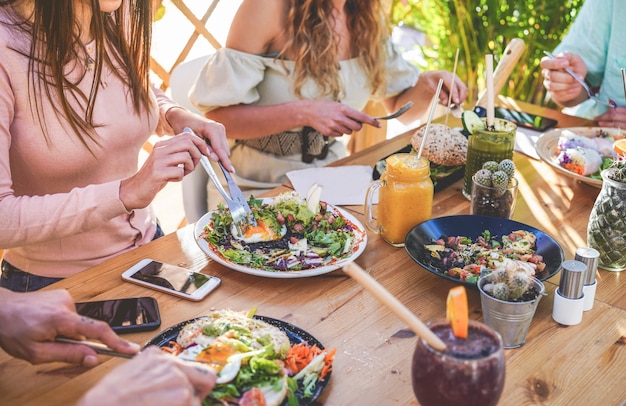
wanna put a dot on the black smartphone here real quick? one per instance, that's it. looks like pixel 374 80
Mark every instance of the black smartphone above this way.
pixel 129 315
pixel 526 120
pixel 171 279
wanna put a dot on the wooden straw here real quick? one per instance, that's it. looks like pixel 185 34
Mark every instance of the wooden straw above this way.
pixel 490 90
pixel 376 289
pixel 456 60
pixel 433 105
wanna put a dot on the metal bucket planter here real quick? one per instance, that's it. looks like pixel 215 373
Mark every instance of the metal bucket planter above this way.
pixel 510 319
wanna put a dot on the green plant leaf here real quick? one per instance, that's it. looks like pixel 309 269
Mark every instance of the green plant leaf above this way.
pixel 478 27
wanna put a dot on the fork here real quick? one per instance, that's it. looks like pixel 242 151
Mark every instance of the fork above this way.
pixel 237 204
pixel 611 103
pixel 396 113
pixel 241 216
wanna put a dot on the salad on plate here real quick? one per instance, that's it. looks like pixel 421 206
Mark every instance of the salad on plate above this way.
pixel 255 360
pixel 292 234
pixel 464 258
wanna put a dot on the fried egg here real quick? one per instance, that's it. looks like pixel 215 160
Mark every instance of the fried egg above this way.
pixel 259 233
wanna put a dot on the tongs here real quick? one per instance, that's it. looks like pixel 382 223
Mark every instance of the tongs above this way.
pixel 236 201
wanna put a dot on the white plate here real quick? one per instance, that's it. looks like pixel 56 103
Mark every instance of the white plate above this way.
pixel 546 147
pixel 360 241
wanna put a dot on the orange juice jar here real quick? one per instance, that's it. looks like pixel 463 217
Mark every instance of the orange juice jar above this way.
pixel 405 198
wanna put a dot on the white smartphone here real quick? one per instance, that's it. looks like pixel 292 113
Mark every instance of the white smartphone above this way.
pixel 171 279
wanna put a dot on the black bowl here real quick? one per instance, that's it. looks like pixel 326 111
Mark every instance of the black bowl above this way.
pixel 295 334
pixel 472 226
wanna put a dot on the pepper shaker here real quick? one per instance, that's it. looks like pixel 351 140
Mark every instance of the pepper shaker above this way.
pixel 569 299
pixel 589 257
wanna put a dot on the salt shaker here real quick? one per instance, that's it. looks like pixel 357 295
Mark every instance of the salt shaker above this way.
pixel 569 299
pixel 589 257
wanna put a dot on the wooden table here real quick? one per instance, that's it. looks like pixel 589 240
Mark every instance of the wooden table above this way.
pixel 576 365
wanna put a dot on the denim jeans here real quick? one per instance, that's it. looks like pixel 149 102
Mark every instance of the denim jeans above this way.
pixel 19 281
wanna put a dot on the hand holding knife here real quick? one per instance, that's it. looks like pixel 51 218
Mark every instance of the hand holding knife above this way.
pixel 97 347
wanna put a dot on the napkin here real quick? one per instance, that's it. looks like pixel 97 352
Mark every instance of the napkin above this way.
pixel 341 185
pixel 525 140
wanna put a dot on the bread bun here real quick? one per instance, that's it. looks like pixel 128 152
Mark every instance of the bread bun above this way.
pixel 444 145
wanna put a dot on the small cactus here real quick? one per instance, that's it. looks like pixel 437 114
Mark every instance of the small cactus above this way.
pixel 507 166
pixel 500 291
pixel 499 179
pixel 501 174
pixel 491 166
pixel 483 177
pixel 497 197
pixel 509 282
pixel 518 284
pixel 499 275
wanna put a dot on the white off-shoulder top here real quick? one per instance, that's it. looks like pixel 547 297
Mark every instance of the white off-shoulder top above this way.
pixel 233 77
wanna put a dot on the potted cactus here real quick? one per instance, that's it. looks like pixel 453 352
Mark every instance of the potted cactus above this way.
pixel 509 297
pixel 512 284
pixel 607 223
pixel 494 189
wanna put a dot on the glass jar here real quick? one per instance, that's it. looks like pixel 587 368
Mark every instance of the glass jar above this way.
pixel 606 230
pixel 488 145
pixel 405 198
pixel 493 201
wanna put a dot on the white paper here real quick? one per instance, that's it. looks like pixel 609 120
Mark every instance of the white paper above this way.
pixel 341 185
pixel 525 140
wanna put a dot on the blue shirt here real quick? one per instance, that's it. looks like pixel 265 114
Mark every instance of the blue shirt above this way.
pixel 598 36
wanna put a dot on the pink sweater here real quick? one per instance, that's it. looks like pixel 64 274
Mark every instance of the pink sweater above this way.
pixel 60 210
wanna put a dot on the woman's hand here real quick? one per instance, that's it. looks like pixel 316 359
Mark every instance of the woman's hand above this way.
pixel 422 93
pixel 153 378
pixel 213 132
pixel 335 119
pixel 565 90
pixel 31 321
pixel 613 117
pixel 429 80
pixel 169 161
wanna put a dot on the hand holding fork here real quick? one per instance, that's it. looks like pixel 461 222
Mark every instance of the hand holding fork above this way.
pixel 592 95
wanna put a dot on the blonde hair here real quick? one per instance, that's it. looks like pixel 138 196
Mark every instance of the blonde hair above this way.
pixel 312 42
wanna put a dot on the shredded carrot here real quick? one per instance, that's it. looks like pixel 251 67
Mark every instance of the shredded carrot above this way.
pixel 174 348
pixel 328 363
pixel 300 355
pixel 195 334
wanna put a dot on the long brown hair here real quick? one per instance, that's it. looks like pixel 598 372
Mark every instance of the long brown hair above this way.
pixel 125 33
pixel 311 40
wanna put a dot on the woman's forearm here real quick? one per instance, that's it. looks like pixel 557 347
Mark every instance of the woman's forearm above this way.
pixel 249 121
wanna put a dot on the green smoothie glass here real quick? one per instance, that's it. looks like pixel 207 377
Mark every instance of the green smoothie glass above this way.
pixel 487 144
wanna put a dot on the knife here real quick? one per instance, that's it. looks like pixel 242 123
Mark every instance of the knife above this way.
pixel 98 347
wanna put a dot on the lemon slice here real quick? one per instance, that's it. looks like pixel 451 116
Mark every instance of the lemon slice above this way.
pixel 457 311
pixel 471 122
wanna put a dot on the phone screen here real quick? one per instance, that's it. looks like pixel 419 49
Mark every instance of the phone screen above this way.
pixel 171 277
pixel 124 315
pixel 527 120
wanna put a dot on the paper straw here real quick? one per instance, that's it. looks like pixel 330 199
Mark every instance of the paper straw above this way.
pixel 433 105
pixel 624 80
pixel 490 90
pixel 456 60
pixel 371 285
